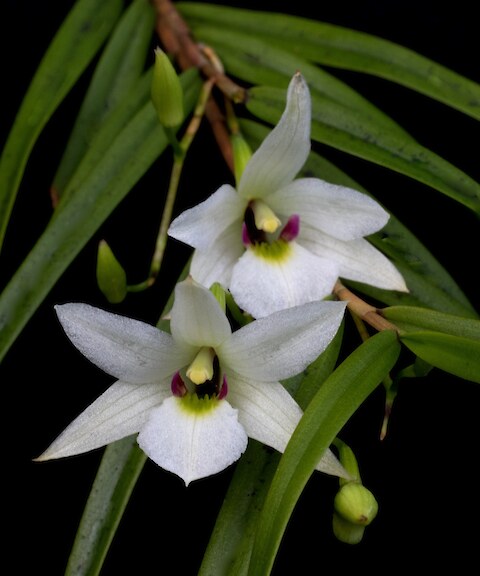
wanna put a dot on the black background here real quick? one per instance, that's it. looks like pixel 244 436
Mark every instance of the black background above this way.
pixel 423 473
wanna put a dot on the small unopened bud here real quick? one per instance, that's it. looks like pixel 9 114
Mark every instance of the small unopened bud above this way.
pixel 166 91
pixel 111 277
pixel 241 155
pixel 355 507
pixel 345 531
pixel 219 292
pixel 356 504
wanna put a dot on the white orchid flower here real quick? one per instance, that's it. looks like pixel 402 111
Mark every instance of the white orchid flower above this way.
pixel 195 396
pixel 280 242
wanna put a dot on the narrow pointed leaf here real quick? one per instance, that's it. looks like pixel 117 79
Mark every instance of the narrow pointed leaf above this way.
pixel 335 402
pixel 117 475
pixel 410 318
pixel 454 354
pixel 351 132
pixel 258 62
pixel 232 538
pixel 341 117
pixel 429 283
pixel 121 64
pixel 342 47
pixel 134 100
pixel 344 119
pixel 72 49
pixel 123 163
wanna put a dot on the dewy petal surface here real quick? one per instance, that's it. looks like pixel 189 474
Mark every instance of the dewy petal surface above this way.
pixel 262 286
pixel 119 412
pixel 201 225
pixel 125 348
pixel 196 316
pixel 283 343
pixel 357 260
pixel 270 415
pixel 284 151
pixel 336 210
pixel 193 444
pixel 215 264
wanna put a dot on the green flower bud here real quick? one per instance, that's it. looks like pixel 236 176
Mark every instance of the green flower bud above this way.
pixel 219 292
pixel 348 461
pixel 241 155
pixel 111 277
pixel 345 531
pixel 356 504
pixel 166 91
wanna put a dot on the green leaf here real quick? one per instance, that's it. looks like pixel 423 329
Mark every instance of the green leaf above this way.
pixel 352 132
pixel 412 319
pixel 231 540
pixel 111 276
pixel 429 283
pixel 233 536
pixel 133 102
pixel 77 41
pixel 123 163
pixel 258 62
pixel 342 47
pixel 335 402
pixel 120 66
pixel 117 475
pixel 341 117
pixel 454 354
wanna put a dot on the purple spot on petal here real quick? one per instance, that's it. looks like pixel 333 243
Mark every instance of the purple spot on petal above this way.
pixel 224 389
pixel 245 236
pixel 291 229
pixel 178 385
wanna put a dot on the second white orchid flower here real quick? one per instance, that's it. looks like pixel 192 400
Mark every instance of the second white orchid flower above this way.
pixel 280 242
pixel 195 395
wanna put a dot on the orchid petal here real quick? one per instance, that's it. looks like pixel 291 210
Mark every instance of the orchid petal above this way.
pixel 196 317
pixel 269 414
pixel 283 343
pixel 193 443
pixel 119 412
pixel 336 210
pixel 215 264
pixel 285 150
pixel 201 225
pixel 357 260
pixel 123 347
pixel 262 286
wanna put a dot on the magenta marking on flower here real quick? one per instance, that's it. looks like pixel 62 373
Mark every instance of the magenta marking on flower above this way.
pixel 178 385
pixel 291 229
pixel 245 236
pixel 224 389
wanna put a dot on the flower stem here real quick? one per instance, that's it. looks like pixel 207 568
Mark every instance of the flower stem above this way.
pixel 180 149
pixel 365 313
pixel 362 310
pixel 178 40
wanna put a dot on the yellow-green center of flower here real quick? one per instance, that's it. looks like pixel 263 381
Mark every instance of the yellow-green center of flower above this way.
pixel 192 404
pixel 265 217
pixel 201 369
pixel 277 251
